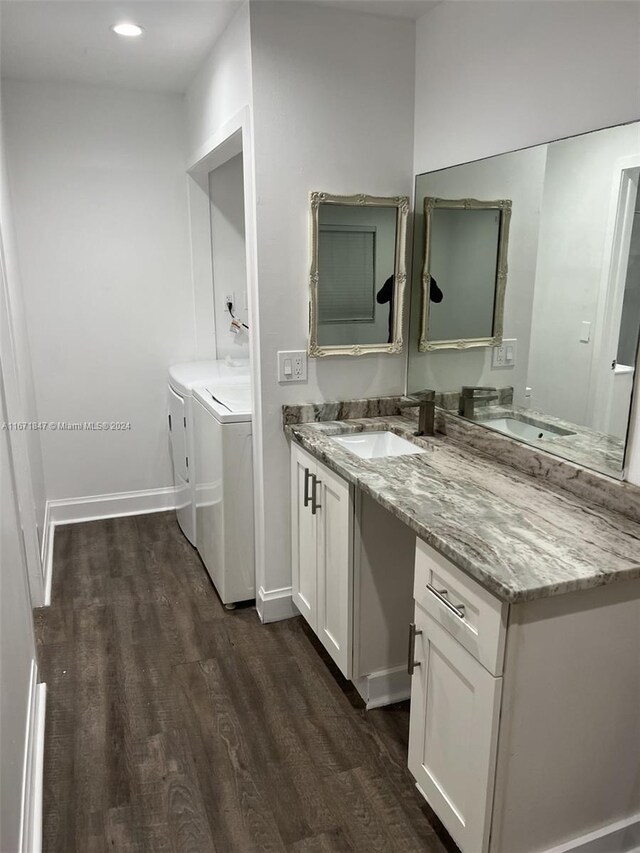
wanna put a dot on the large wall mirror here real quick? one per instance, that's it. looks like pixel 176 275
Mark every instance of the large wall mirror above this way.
pixel 464 272
pixel 358 274
pixel 564 371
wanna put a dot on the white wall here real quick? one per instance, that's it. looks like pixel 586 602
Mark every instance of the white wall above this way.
pixel 17 374
pixel 101 216
pixel 228 250
pixel 17 650
pixel 217 104
pixel 573 226
pixel 333 111
pixel 494 76
pixel 21 510
pixel 20 339
pixel 222 87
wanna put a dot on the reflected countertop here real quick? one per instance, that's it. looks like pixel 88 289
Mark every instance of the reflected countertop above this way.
pixel 519 536
pixel 579 444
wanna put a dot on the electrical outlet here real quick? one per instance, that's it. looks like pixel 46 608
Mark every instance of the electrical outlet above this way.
pixel 229 299
pixel 292 366
pixel 505 355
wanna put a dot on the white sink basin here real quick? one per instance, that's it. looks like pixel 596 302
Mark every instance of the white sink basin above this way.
pixel 521 429
pixel 375 445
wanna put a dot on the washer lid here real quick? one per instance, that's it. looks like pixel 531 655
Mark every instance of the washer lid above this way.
pixel 227 403
pixel 183 378
pixel 235 398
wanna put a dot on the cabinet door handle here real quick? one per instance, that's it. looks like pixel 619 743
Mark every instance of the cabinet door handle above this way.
pixel 315 506
pixel 412 663
pixel 440 594
pixel 307 496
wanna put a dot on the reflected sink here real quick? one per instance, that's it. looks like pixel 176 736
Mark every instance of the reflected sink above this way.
pixel 376 445
pixel 522 429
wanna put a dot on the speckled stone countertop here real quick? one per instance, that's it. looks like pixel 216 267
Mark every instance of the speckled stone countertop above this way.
pixel 517 535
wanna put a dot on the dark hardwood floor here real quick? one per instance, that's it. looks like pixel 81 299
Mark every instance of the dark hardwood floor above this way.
pixel 173 725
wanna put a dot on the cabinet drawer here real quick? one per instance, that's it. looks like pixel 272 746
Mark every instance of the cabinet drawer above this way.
pixel 465 609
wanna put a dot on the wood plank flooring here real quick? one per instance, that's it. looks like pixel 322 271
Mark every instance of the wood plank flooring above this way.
pixel 174 725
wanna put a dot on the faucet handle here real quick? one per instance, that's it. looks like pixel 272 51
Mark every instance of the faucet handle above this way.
pixel 418 398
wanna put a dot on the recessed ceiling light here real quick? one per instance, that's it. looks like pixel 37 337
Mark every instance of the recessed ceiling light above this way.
pixel 130 30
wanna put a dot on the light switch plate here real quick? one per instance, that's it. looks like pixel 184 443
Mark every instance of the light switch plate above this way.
pixel 292 366
pixel 505 355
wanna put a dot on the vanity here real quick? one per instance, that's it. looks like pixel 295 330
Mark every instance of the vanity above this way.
pixel 483 560
pixel 519 601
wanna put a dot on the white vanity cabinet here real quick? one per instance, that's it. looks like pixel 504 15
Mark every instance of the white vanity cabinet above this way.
pixel 322 550
pixel 455 699
pixel 455 704
pixel 517 713
pixel 525 717
pixel 352 578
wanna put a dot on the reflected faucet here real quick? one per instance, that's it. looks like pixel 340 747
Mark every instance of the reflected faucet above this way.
pixel 426 403
pixel 472 394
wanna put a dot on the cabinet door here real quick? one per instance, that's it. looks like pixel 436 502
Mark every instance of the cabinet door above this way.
pixel 455 704
pixel 303 537
pixel 335 567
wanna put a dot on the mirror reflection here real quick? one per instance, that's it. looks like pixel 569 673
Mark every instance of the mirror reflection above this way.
pixel 562 377
pixel 464 272
pixel 358 274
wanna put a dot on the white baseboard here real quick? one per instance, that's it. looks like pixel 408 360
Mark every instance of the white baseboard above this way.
pixel 275 604
pixel 94 507
pixel 384 687
pixel 46 554
pixel 623 836
pixel 32 783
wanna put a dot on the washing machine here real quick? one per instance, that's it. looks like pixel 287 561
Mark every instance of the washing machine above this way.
pixel 224 487
pixel 183 378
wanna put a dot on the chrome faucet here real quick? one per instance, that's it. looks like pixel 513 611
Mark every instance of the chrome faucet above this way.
pixel 426 403
pixel 472 394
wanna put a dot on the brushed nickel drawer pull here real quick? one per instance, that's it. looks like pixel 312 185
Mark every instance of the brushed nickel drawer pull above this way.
pixel 307 496
pixel 315 506
pixel 440 594
pixel 412 663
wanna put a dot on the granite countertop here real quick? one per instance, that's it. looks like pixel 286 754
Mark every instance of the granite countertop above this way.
pixel 577 443
pixel 517 535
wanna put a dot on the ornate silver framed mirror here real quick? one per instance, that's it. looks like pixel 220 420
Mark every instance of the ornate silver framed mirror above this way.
pixel 358 274
pixel 464 274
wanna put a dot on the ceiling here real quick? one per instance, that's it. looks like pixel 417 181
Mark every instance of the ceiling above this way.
pixel 71 40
